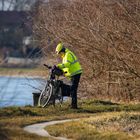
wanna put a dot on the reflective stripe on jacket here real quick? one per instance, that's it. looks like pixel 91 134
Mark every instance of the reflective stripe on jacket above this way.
pixel 70 64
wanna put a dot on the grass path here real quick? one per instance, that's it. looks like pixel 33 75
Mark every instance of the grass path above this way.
pixel 41 128
pixel 14 119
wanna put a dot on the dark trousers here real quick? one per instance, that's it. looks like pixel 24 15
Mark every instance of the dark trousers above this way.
pixel 71 90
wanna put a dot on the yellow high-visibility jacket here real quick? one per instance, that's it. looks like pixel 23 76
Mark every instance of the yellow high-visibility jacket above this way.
pixel 70 64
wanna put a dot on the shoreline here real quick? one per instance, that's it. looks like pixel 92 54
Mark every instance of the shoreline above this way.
pixel 20 76
pixel 23 72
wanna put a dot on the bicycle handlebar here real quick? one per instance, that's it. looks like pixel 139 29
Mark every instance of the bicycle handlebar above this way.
pixel 49 67
pixel 56 70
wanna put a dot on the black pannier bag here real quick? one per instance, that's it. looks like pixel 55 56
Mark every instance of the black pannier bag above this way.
pixel 65 89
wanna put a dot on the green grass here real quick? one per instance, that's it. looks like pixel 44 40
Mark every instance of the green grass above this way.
pixel 81 131
pixel 126 122
pixel 12 119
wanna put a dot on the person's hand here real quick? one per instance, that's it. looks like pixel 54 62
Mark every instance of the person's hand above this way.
pixel 58 66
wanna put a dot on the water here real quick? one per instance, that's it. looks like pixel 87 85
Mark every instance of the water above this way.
pixel 17 91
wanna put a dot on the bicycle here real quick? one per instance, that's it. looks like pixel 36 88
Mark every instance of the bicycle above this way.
pixel 53 88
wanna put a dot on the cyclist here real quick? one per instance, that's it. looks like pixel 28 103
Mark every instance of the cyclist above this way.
pixel 71 68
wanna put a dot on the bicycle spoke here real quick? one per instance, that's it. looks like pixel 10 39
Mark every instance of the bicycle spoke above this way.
pixel 45 96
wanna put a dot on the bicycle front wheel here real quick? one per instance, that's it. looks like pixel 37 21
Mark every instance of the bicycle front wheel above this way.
pixel 45 96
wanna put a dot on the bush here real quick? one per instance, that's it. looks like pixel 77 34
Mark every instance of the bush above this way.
pixel 104 35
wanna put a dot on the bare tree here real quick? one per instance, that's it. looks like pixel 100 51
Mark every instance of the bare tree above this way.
pixel 103 33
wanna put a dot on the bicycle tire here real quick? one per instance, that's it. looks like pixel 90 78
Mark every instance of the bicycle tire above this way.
pixel 45 95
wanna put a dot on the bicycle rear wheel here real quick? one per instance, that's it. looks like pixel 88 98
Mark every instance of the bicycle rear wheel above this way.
pixel 45 96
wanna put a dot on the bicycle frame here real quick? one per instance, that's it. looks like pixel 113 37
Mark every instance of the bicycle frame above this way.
pixel 52 90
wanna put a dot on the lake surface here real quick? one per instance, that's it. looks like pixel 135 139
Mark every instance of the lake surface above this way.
pixel 17 91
